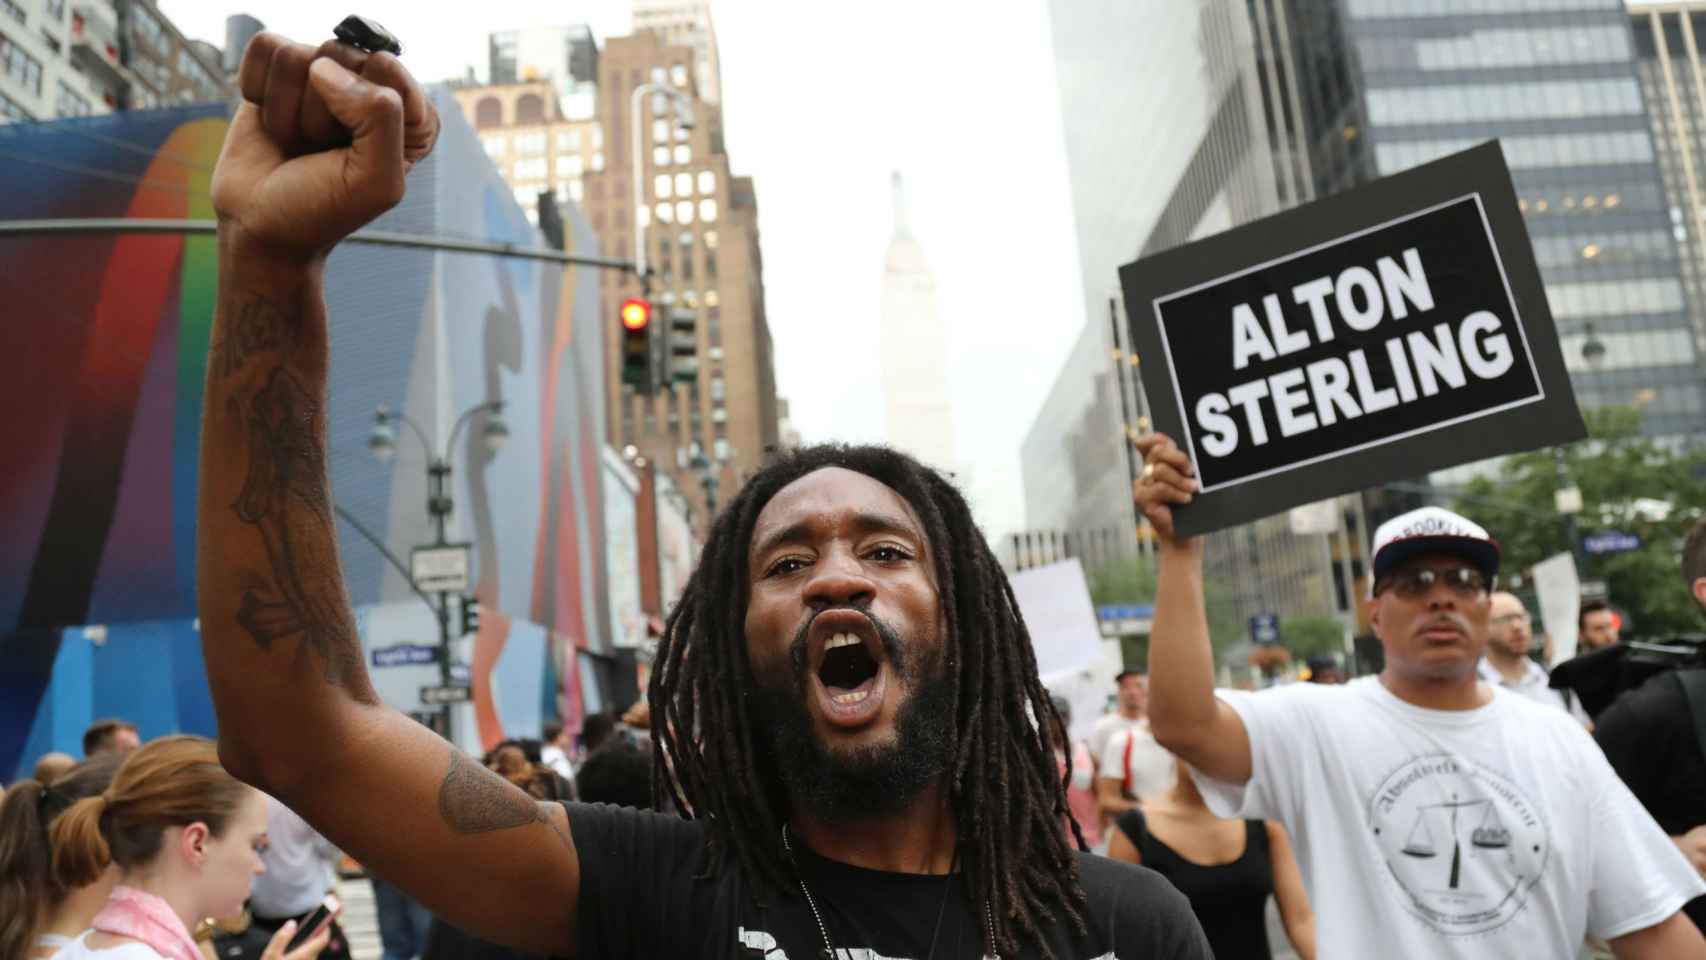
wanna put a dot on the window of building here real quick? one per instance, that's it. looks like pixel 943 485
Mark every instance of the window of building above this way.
pixel 666 213
pixel 645 216
pixel 598 163
pixel 146 29
pixel 529 143
pixel 658 75
pixel 683 184
pixel 532 168
pixel 683 153
pixel 15 63
pixel 661 185
pixel 488 112
pixel 678 74
pixel 660 131
pixel 70 103
pixel 1469 103
pixel 710 235
pixel 568 140
pixel 16 11
pixel 525 197
pixel 707 182
pixel 570 165
pixel 530 108
pixel 575 191
pixel 660 156
pixel 55 10
pixel 495 145
pixel 724 452
pixel 598 137
pixel 52 42
pixel 717 389
pixel 708 210
pixel 11 111
pixel 719 415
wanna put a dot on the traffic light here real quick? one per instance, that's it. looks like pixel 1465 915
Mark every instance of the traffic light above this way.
pixel 636 316
pixel 683 345
pixel 470 615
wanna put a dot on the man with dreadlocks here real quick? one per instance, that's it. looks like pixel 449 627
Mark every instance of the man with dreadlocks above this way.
pixel 845 701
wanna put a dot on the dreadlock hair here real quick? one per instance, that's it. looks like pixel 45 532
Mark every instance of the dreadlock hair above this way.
pixel 1005 789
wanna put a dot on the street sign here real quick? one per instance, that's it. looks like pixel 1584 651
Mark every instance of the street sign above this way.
pixel 1125 611
pixel 1264 629
pixel 1385 331
pixel 459 673
pixel 405 655
pixel 441 569
pixel 1611 541
pixel 439 696
pixel 1595 590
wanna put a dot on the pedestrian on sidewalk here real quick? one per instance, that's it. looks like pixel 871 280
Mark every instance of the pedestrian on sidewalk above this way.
pixel 1434 815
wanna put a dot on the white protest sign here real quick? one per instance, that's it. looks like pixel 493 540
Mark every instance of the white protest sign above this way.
pixel 1560 594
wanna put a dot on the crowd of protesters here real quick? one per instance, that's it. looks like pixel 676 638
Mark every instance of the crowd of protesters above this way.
pixel 850 752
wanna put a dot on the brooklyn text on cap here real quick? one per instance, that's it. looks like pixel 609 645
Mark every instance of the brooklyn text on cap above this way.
pixel 1434 530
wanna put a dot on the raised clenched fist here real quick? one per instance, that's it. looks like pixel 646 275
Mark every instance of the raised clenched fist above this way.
pixel 319 147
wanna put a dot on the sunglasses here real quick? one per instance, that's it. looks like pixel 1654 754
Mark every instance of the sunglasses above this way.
pixel 1417 581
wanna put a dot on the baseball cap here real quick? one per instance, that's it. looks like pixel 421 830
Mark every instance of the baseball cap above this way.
pixel 1434 530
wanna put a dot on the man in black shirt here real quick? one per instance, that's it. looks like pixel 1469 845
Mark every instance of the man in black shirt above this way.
pixel 845 698
pixel 1651 737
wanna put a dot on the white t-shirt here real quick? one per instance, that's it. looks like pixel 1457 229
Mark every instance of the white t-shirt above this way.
pixel 79 949
pixel 1495 832
pixel 1153 770
pixel 1104 729
pixel 1535 683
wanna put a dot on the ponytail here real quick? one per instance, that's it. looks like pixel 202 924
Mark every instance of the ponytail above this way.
pixel 28 889
pixel 80 850
pixel 26 863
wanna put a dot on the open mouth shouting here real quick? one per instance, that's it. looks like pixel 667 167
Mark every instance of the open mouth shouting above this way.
pixel 848 668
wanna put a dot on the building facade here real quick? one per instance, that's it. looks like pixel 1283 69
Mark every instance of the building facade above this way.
pixel 1668 38
pixel 567 57
pixel 699 223
pixel 917 412
pixel 536 146
pixel 686 22
pixel 75 58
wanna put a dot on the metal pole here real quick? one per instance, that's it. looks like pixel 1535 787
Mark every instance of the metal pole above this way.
pixel 635 104
pixel 381 238
pixel 1127 421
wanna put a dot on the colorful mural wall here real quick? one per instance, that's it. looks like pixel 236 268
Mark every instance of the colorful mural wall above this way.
pixel 103 342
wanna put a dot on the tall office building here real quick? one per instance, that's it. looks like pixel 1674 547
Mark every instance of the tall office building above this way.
pixel 566 57
pixel 699 223
pixel 918 415
pixel 60 59
pixel 1668 38
pixel 686 22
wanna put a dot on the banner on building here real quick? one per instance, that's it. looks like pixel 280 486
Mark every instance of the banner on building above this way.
pixel 1380 333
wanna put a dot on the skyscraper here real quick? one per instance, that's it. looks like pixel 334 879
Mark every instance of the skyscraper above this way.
pixel 917 411
pixel 567 57
pixel 1673 82
pixel 687 22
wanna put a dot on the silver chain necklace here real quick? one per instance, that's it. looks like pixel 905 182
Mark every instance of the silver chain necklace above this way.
pixel 829 949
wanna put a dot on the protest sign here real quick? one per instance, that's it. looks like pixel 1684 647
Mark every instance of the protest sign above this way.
pixel 1381 333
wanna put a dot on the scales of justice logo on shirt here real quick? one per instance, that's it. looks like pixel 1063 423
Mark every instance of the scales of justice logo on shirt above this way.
pixel 1462 843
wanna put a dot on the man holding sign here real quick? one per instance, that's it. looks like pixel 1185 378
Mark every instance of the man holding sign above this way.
pixel 1434 815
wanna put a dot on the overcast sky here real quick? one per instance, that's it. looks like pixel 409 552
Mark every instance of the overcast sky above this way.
pixel 956 94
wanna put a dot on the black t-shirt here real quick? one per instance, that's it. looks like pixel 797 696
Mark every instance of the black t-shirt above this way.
pixel 1648 735
pixel 639 899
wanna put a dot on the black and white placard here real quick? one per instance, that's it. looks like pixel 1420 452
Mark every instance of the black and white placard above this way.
pixel 1381 333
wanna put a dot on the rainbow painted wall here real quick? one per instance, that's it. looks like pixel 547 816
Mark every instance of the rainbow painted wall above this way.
pixel 103 342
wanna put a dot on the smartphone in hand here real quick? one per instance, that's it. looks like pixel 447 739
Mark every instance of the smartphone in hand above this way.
pixel 317 921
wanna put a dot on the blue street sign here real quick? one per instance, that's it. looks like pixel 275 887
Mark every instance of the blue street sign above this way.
pixel 404 655
pixel 1131 611
pixel 1611 541
pixel 1264 629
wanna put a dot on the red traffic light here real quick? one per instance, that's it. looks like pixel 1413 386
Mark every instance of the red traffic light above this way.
pixel 636 313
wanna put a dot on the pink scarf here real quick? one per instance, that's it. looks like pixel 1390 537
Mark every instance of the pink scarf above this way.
pixel 130 912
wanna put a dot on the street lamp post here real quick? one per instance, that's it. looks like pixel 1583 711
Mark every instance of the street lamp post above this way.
pixel 382 441
pixel 683 109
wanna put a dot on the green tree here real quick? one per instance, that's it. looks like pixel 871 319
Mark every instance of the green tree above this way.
pixel 1614 469
pixel 1306 637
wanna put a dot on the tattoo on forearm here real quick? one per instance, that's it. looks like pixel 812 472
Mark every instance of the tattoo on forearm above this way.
pixel 284 497
pixel 253 326
pixel 472 799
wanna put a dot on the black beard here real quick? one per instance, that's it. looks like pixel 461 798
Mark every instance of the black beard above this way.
pixel 868 782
